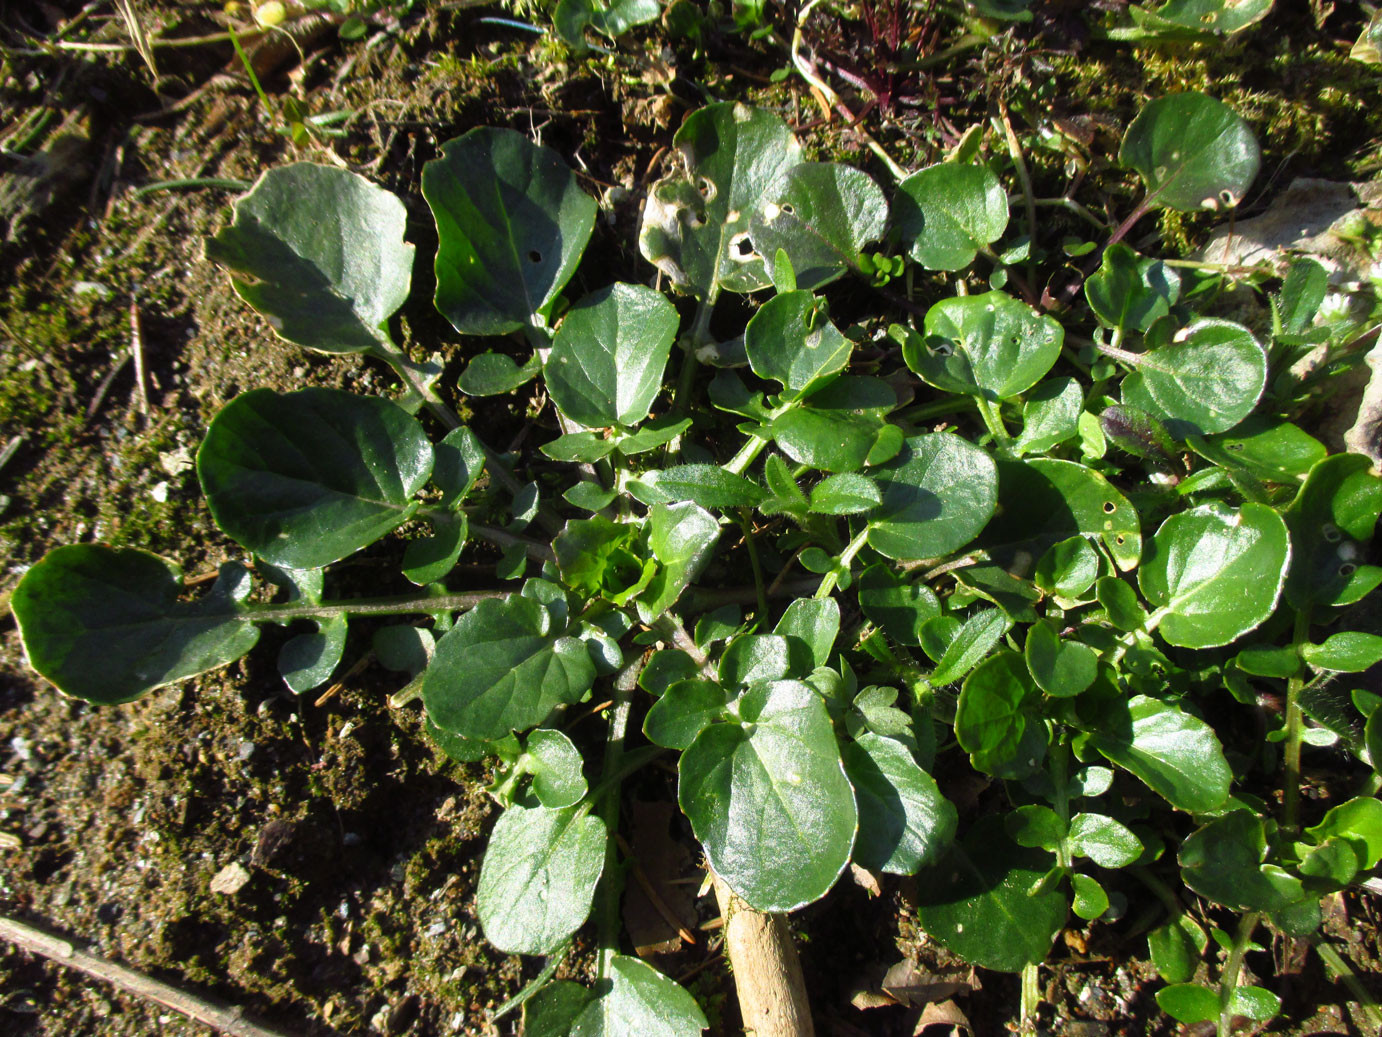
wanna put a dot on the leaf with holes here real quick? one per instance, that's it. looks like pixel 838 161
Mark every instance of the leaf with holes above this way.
pixel 696 224
pixel 989 345
pixel 821 215
pixel 1192 151
pixel 319 251
pixel 791 340
pixel 511 225
pixel 946 213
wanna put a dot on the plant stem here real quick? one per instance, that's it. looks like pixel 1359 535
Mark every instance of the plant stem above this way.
pixel 549 969
pixel 746 524
pixel 1295 729
pixel 502 537
pixel 739 463
pixel 1030 998
pixel 1025 179
pixel 191 183
pixel 828 581
pixel 249 71
pixel 1228 979
pixel 1336 963
pixel 408 604
pixel 611 883
pixel 989 413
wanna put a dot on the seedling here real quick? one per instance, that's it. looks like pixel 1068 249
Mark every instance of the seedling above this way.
pixel 1074 596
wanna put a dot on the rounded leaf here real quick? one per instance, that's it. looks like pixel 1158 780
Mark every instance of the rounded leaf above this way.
pixel 1213 574
pixel 904 821
pixel 511 225
pixel 319 251
pixel 303 479
pixel 946 213
pixel 106 624
pixel 1192 151
pixel 938 494
pixel 821 214
pixel 768 798
pixel 988 345
pixel 1207 379
pixel 791 341
pixel 609 354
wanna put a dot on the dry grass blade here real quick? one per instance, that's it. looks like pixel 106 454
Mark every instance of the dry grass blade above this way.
pixel 141 40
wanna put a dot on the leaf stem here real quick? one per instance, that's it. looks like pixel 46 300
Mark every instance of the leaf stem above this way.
pixel 992 421
pixel 739 463
pixel 746 524
pixel 829 580
pixel 611 883
pixel 409 604
pixel 1295 729
pixel 1228 979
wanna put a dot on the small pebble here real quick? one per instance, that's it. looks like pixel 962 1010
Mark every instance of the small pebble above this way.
pixel 230 879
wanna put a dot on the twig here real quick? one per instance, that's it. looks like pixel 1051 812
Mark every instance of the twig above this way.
pixel 225 1020
pixel 654 898
pixel 335 688
pixel 141 384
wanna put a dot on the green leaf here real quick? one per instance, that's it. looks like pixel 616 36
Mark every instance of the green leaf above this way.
pixel 585 447
pixel 1349 651
pixel 308 660
pixel 1331 522
pixel 460 458
pixel 1269 661
pixel 971 642
pixel 1189 1003
pixel 1175 948
pixel 898 607
pixel 1372 739
pixel 685 710
pixel 319 251
pixel 791 340
pixel 938 494
pixel 1050 415
pixel 681 537
pixel 1202 17
pixel 845 494
pixel 946 213
pixel 634 999
pixel 1302 291
pixel 652 434
pixel 1035 826
pixel 989 345
pixel 1276 452
pixel 1044 501
pixel 601 558
pixel 538 878
pixel 609 355
pixel 842 426
pixel 1256 1003
pixel 1358 822
pixel 501 668
pixel 1129 291
pixel 666 667
pixel 1120 602
pixel 821 214
pixel 997 721
pixel 622 15
pixel 1138 433
pixel 1213 574
pixel 1207 379
pixel 555 764
pixel 1061 668
pixel 904 821
pixel 813 621
pixel 1192 151
pixel 511 225
pixel 768 797
pixel 1223 862
pixel 429 559
pixel 1090 900
pixel 1108 843
pixel 105 624
pixel 707 485
pixel 787 498
pixel 497 374
pixel 761 657
pixel 695 225
pixel 1175 754
pixel 303 479
pixel 1068 568
pixel 978 901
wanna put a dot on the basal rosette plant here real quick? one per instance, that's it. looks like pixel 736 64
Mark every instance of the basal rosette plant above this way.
pixel 1075 587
